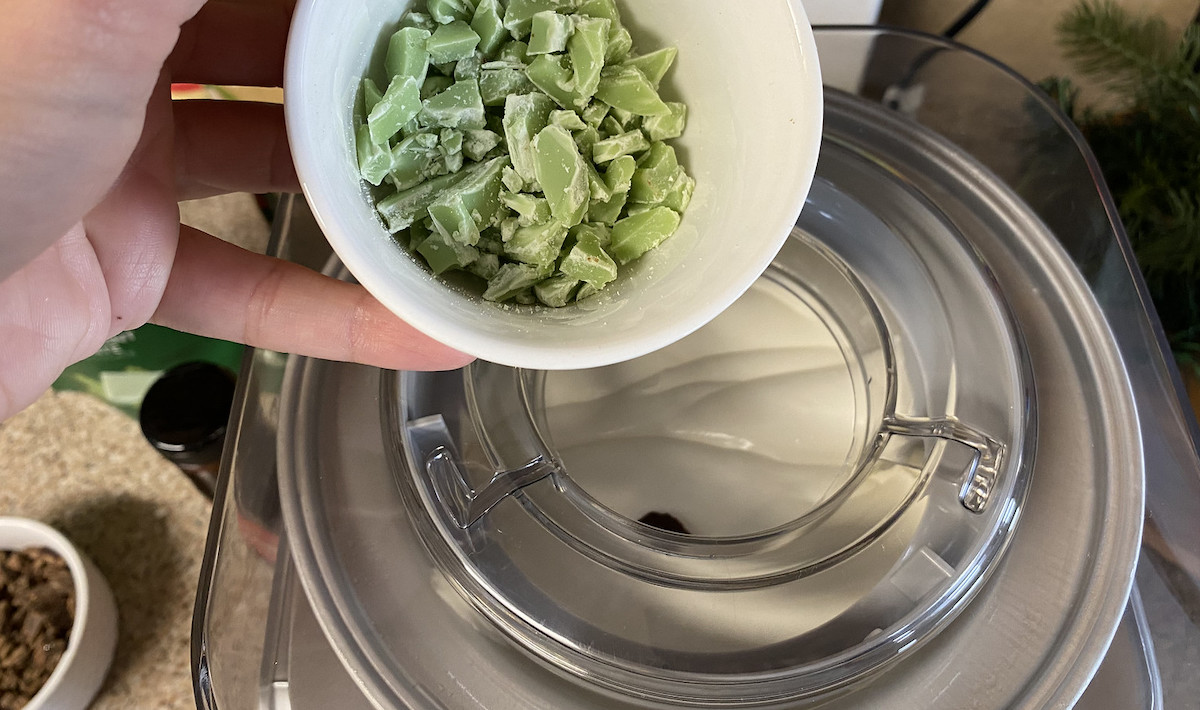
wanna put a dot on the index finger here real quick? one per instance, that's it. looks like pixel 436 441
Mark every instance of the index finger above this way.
pixel 219 290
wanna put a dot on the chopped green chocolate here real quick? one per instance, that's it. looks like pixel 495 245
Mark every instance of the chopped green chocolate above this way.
pixel 655 64
pixel 585 292
pixel 525 115
pixel 443 254
pixel 491 242
pixel 619 178
pixel 549 73
pixel 620 44
pixel 600 8
pixel 683 187
pixel 629 89
pixel 530 210
pixel 489 25
pixel 496 85
pixel 479 193
pixel 587 140
pixel 537 244
pixel 435 85
pixel 469 68
pixel 533 156
pixel 420 20
pixel 634 236
pixel 486 266
pixel 403 208
pixel 562 173
pixel 514 51
pixel 626 120
pixel 550 32
pixel 587 261
pixel 512 181
pixel 625 144
pixel 447 11
pixel 454 222
pixel 593 232
pixel 587 48
pixel 508 229
pixel 407 54
pixel 478 143
pixel 452 42
pixel 399 104
pixel 453 163
pixel 556 291
pixel 597 187
pixel 371 95
pixel 518 16
pixel 374 160
pixel 611 127
pixel 460 106
pixel 568 120
pixel 595 114
pixel 417 234
pixel 655 175
pixel 450 141
pixel 513 278
pixel 621 173
pixel 412 159
pixel 667 126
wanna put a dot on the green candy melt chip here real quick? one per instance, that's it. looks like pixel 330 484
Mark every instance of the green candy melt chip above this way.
pixel 587 47
pixel 628 89
pixel 513 278
pixel 407 54
pixel 398 105
pixel 460 106
pixel 539 244
pixel 549 33
pixel 489 25
pixel 556 291
pixel 634 236
pixel 525 115
pixel 518 16
pixel 655 65
pixel 452 42
pixel 523 144
pixel 562 174
pixel 447 11
pixel 549 73
pixel 588 262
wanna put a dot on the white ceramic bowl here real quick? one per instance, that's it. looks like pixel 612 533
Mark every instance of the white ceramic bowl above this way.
pixel 747 71
pixel 84 665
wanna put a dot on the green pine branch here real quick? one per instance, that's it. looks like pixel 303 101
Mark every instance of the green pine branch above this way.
pixel 1128 54
pixel 1149 149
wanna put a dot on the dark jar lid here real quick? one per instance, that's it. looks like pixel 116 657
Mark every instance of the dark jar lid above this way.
pixel 185 413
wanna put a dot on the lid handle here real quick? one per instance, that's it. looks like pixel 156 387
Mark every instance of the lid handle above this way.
pixel 979 480
pixel 467 505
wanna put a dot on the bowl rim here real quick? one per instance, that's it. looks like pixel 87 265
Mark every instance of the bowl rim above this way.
pixel 58 543
pixel 522 352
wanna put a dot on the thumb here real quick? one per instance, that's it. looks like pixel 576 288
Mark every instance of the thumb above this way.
pixel 75 76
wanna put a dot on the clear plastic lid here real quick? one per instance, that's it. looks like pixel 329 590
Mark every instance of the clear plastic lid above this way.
pixel 778 504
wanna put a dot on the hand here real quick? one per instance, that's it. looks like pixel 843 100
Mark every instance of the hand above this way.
pixel 94 158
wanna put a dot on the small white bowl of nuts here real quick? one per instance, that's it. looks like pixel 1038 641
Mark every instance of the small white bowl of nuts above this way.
pixel 58 620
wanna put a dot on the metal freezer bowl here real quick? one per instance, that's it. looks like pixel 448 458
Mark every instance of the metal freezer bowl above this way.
pixel 244 661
